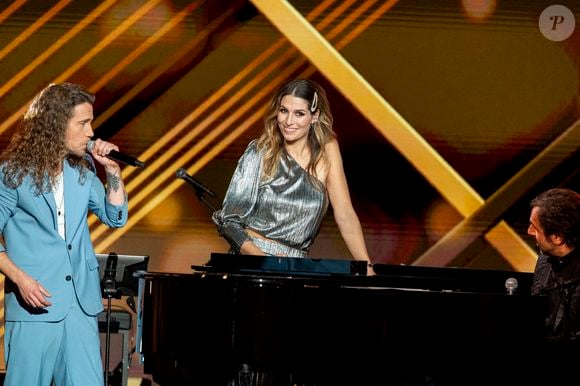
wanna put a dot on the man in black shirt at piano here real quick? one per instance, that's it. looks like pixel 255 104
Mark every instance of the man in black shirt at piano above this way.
pixel 555 224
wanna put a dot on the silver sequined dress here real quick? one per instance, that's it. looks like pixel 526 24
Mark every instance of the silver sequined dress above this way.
pixel 288 209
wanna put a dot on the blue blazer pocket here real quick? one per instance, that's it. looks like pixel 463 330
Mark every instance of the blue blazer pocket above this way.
pixel 92 262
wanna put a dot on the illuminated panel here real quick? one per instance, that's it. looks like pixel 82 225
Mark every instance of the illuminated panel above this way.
pixel 45 18
pixel 13 7
pixel 46 54
pixel 466 231
pixel 86 57
pixel 143 47
pixel 391 125
pixel 151 77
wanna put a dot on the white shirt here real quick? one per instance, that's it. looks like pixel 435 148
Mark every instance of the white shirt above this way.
pixel 58 191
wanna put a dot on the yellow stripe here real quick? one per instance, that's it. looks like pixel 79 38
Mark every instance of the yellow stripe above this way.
pixel 6 124
pixel 45 18
pixel 125 25
pixel 143 47
pixel 13 7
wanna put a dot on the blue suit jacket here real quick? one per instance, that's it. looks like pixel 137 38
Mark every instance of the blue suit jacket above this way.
pixel 66 268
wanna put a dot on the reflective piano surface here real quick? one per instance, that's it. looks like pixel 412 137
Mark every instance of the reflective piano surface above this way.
pixel 298 324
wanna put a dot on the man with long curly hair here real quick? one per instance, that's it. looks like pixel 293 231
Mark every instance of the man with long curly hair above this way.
pixel 48 184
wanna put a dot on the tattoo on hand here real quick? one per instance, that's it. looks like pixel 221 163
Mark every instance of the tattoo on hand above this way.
pixel 113 182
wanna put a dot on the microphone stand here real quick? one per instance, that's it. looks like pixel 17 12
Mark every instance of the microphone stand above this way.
pixel 109 291
pixel 199 193
pixel 202 198
pixel 197 187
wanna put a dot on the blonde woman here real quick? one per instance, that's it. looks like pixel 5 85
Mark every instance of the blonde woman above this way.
pixel 285 180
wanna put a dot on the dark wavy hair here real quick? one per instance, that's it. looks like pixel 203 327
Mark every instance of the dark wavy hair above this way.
pixel 38 146
pixel 271 142
pixel 559 214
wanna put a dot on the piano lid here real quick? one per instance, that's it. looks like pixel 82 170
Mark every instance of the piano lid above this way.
pixel 455 279
pixel 446 279
pixel 237 263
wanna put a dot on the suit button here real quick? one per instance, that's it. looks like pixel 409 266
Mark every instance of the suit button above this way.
pixel 68 278
pixel 69 247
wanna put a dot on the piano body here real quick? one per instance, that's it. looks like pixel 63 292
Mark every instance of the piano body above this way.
pixel 281 321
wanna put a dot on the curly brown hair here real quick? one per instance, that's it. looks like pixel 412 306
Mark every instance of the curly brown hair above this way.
pixel 37 147
pixel 271 142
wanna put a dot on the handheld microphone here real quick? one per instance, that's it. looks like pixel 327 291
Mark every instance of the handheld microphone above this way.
pixel 181 173
pixel 118 156
pixel 511 284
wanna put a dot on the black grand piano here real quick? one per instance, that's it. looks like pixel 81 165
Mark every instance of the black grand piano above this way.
pixel 249 320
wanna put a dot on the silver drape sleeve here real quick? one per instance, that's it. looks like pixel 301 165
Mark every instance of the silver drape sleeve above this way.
pixel 240 198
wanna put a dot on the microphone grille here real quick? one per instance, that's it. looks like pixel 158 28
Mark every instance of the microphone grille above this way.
pixel 511 283
pixel 180 173
pixel 90 145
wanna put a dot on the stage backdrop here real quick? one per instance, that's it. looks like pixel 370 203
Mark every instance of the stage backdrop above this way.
pixel 451 115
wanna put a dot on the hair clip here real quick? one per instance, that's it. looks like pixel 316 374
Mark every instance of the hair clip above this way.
pixel 314 103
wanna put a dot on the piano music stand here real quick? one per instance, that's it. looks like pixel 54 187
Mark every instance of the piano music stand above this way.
pixel 118 278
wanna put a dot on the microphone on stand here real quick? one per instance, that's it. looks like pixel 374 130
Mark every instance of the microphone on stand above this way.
pixel 118 156
pixel 511 284
pixel 198 186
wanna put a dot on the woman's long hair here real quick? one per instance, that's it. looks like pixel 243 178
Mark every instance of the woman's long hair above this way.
pixel 38 146
pixel 271 142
